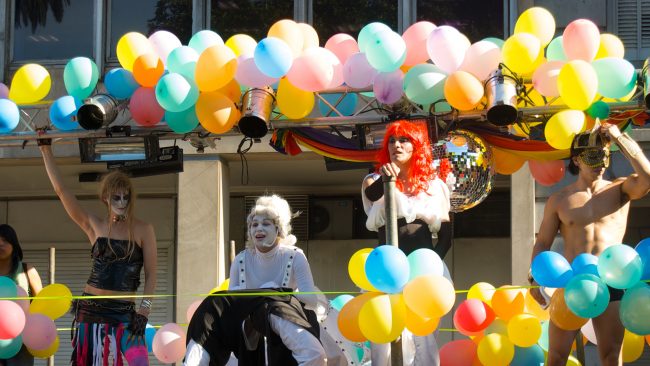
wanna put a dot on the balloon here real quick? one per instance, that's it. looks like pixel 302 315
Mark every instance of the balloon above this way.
pixel 357 269
pixel 4 91
pixel 183 121
pixel 216 112
pixel 473 315
pixel 342 46
pixel 616 77
pixel 497 41
pixel 506 163
pixel 545 78
pixel 481 291
pixel 8 287
pixel 589 332
pixel 80 77
pixel 555 50
pixel 495 349
pixel 39 333
pixel 620 266
pixel 381 318
pixel 163 43
pixel 581 40
pixel 288 31
pixel 204 39
pixel 53 301
pixel 461 352
pixel 368 32
pixel 463 90
pixel 309 36
pixel 293 102
pixel 525 356
pixel 23 303
pixel 12 321
pixel 418 325
pixel 551 269
pixel 561 315
pixel 144 107
pixel 120 83
pixel 357 72
pixel 241 44
pixel 387 268
pixel 387 53
pixel 585 263
pixel 643 248
pixel 446 47
pixel 30 83
pixel 169 343
pixel 248 74
pixel 429 296
pixel 610 46
pixel 562 127
pixel 635 309
pixel 63 113
pixel 481 59
pixel 344 103
pixel 175 93
pixel 598 109
pixel 388 86
pixel 339 301
pixel 131 46
pixel 508 301
pixel 147 69
pixel 586 295
pixel 215 68
pixel 10 347
pixel 577 84
pixel 313 70
pixel 543 339
pixel 633 345
pixel 424 261
pixel 547 173
pixel 49 351
pixel 273 57
pixel 9 115
pixel 521 51
pixel 424 84
pixel 538 22
pixel 524 330
pixel 415 37
pixel 534 308
pixel 348 320
pixel 182 60
pixel 192 309
pixel 232 90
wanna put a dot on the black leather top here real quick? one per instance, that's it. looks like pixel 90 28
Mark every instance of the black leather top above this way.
pixel 113 269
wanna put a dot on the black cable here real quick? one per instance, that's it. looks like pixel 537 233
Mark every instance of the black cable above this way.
pixel 244 178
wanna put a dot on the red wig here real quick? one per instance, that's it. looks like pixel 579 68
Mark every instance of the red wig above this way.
pixel 421 164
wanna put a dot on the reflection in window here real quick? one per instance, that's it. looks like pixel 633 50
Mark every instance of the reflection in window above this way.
pixel 484 20
pixel 349 16
pixel 252 17
pixel 52 30
pixel 148 16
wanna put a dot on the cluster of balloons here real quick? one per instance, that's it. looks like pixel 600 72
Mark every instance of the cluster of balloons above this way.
pixel 403 292
pixel 31 324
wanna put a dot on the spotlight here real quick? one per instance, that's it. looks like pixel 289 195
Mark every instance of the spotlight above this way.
pixel 645 76
pixel 501 94
pixel 257 104
pixel 119 145
pixel 99 111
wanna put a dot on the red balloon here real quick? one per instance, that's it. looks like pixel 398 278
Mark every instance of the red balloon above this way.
pixel 473 316
pixel 144 107
pixel 460 352
pixel 547 173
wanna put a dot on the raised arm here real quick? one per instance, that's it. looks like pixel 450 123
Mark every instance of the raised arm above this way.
pixel 547 231
pixel 80 216
pixel 637 184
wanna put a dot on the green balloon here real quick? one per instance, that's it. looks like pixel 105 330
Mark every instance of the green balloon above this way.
pixel 598 109
pixel 555 50
pixel 183 121
pixel 10 347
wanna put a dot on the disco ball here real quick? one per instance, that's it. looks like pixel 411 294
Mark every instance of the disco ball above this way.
pixel 464 161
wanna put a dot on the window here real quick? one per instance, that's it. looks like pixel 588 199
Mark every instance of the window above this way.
pixel 633 28
pixel 251 17
pixel 484 19
pixel 349 16
pixel 52 30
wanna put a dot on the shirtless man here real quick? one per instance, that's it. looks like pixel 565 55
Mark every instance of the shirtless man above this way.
pixel 591 214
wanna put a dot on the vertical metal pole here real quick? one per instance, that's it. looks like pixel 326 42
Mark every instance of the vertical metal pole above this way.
pixel 51 275
pixel 392 239
pixel 580 348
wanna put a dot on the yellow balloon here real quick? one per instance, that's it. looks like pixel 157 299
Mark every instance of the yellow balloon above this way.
pixel 507 302
pixel 495 350
pixel 215 68
pixel 524 330
pixel 539 22
pixel 309 36
pixel 482 291
pixel 633 345
pixel 357 269
pixel 293 102
pixel 562 127
pixel 463 90
pixel 577 84
pixel 30 83
pixel 348 321
pixel 419 325
pixel 131 46
pixel 288 31
pixel 572 361
pixel 53 301
pixel 381 319
pixel 534 308
pixel 222 287
pixel 610 46
pixel 521 52
pixel 49 351
pixel 505 163
pixel 429 296
pixel 241 44
pixel 216 112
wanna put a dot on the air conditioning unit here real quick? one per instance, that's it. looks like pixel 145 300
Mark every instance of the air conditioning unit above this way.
pixel 331 219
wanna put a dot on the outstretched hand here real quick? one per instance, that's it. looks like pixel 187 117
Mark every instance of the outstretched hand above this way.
pixel 43 141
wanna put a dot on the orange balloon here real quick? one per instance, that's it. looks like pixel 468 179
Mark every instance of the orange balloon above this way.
pixel 647 339
pixel 147 69
pixel 348 320
pixel 215 68
pixel 506 163
pixel 507 302
pixel 533 307
pixel 463 90
pixel 561 315
pixel 419 325
pixel 429 295
pixel 232 91
pixel 216 112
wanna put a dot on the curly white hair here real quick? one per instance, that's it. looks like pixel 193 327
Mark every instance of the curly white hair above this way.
pixel 277 209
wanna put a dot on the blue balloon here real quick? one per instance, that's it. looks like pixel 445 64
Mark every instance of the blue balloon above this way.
pixel 175 93
pixel 273 57
pixel 9 115
pixel 344 104
pixel 120 83
pixel 387 269
pixel 183 121
pixel 586 295
pixel 204 39
pixel 149 333
pixel 182 60
pixel 7 287
pixel 63 113
pixel 424 261
pixel 80 77
pixel 635 309
pixel 620 266
pixel 585 263
pixel 528 356
pixel 551 269
pixel 643 248
pixel 367 35
pixel 338 302
pixel 10 347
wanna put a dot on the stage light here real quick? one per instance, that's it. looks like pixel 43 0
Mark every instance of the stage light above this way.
pixel 257 105
pixel 501 89
pixel 99 111
pixel 119 146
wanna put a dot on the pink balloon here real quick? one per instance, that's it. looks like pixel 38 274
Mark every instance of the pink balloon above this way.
pixel 12 320
pixel 447 47
pixel 415 38
pixel 39 333
pixel 357 72
pixel 388 86
pixel 481 59
pixel 248 74
pixel 545 78
pixel 312 70
pixel 4 91
pixel 581 39
pixel 164 42
pixel 547 173
pixel 589 332
pixel 24 304
pixel 192 309
pixel 144 107
pixel 343 46
pixel 461 352
pixel 337 78
pixel 169 343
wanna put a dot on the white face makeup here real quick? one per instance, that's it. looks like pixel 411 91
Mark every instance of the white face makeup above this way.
pixel 119 203
pixel 263 232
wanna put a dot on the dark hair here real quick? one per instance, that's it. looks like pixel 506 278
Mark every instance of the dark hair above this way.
pixel 582 141
pixel 9 234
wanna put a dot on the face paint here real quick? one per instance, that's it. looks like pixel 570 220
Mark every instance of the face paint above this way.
pixel 595 158
pixel 119 203
pixel 263 232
